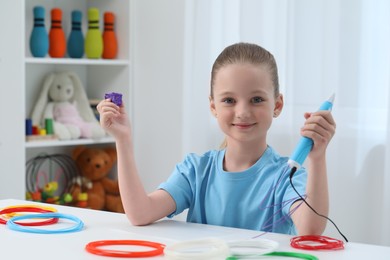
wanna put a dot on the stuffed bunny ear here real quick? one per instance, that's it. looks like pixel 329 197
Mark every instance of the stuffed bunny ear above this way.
pixel 81 98
pixel 43 99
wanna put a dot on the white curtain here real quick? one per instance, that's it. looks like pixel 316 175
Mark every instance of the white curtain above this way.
pixel 321 47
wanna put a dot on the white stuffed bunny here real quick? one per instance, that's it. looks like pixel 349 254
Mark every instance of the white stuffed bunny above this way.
pixel 64 100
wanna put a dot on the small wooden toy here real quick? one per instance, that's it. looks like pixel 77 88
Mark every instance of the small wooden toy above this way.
pixel 39 40
pixel 29 127
pixel 110 43
pixel 57 40
pixel 93 39
pixel 76 39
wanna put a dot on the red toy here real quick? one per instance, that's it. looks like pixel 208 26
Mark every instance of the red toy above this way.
pixel 57 40
pixel 110 43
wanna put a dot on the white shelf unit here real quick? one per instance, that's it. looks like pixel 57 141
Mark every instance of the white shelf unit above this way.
pixel 97 75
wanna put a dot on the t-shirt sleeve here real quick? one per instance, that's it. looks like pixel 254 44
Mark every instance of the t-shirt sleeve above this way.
pixel 299 180
pixel 179 185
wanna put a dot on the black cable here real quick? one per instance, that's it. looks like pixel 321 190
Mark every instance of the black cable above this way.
pixel 293 170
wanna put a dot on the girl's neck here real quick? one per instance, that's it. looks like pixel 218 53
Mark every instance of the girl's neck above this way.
pixel 241 157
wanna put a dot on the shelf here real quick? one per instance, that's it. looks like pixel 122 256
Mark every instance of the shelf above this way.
pixel 26 74
pixel 62 61
pixel 58 143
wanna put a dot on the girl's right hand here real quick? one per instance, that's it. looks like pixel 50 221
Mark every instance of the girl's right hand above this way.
pixel 113 119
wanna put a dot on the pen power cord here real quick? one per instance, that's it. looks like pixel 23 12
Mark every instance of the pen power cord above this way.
pixel 293 170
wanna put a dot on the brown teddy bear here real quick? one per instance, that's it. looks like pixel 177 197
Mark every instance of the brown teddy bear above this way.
pixel 94 185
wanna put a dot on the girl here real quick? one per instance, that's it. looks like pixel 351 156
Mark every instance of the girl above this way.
pixel 246 183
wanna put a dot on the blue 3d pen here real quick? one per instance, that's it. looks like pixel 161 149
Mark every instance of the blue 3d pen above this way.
pixel 306 144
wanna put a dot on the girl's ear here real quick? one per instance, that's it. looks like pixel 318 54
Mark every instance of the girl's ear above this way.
pixel 279 103
pixel 212 106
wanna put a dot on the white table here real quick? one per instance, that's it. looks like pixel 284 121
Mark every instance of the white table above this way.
pixel 101 225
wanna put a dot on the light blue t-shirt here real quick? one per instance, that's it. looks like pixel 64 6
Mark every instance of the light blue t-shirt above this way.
pixel 258 198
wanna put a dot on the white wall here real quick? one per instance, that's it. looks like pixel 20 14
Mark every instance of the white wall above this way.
pixel 158 77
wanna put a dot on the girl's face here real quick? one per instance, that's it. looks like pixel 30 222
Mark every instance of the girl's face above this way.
pixel 244 102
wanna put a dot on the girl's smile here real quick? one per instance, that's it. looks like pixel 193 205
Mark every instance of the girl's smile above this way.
pixel 244 126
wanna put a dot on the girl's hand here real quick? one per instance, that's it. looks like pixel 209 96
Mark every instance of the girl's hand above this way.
pixel 320 127
pixel 113 119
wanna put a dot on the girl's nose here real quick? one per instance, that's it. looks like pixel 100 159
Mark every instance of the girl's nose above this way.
pixel 243 111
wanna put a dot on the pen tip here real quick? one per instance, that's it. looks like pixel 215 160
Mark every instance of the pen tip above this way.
pixel 331 99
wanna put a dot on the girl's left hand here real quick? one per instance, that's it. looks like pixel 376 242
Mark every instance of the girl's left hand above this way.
pixel 320 127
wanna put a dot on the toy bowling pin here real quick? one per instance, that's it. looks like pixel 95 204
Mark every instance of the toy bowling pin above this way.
pixel 39 40
pixel 75 45
pixel 57 40
pixel 110 44
pixel 93 39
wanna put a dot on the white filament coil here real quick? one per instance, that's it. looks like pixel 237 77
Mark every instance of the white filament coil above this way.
pixel 209 248
pixel 248 248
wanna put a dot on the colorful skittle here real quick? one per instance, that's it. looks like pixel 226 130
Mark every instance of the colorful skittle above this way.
pixel 76 39
pixel 57 40
pixel 93 39
pixel 110 43
pixel 39 40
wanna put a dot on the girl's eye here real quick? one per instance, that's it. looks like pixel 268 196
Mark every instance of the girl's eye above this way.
pixel 228 101
pixel 257 100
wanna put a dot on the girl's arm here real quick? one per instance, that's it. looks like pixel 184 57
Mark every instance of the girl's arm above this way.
pixel 140 208
pixel 320 127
